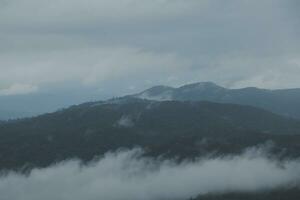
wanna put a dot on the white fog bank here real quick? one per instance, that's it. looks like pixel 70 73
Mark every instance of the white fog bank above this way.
pixel 127 176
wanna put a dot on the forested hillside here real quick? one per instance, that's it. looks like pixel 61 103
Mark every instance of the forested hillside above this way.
pixel 170 128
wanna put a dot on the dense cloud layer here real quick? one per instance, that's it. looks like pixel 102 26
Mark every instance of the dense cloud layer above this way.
pixel 139 43
pixel 127 176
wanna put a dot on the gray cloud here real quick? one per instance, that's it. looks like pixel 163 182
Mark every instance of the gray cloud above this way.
pixel 136 44
pixel 127 176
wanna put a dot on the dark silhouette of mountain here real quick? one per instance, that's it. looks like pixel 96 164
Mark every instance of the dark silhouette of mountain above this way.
pixel 276 194
pixel 285 102
pixel 292 193
pixel 169 128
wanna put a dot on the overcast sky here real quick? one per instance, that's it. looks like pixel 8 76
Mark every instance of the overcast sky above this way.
pixel 123 46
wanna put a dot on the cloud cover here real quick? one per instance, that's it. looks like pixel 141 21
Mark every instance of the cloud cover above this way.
pixel 125 175
pixel 139 43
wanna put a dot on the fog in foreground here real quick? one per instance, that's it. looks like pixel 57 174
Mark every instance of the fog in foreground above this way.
pixel 126 175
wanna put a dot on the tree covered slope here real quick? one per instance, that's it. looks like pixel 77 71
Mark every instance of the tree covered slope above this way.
pixel 169 128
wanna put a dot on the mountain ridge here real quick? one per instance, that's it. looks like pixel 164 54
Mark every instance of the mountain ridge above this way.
pixel 281 101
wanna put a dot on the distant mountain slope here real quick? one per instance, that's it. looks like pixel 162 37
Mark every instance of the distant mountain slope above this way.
pixel 285 102
pixel 29 105
pixel 12 114
pixel 164 128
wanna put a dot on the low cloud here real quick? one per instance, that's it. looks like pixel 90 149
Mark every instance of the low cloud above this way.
pixel 125 121
pixel 136 44
pixel 89 66
pixel 18 89
pixel 127 175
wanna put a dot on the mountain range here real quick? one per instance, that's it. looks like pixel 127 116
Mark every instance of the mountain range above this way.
pixel 182 123
pixel 284 101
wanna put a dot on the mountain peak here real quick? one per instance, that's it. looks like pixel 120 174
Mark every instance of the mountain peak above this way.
pixel 164 93
pixel 202 85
